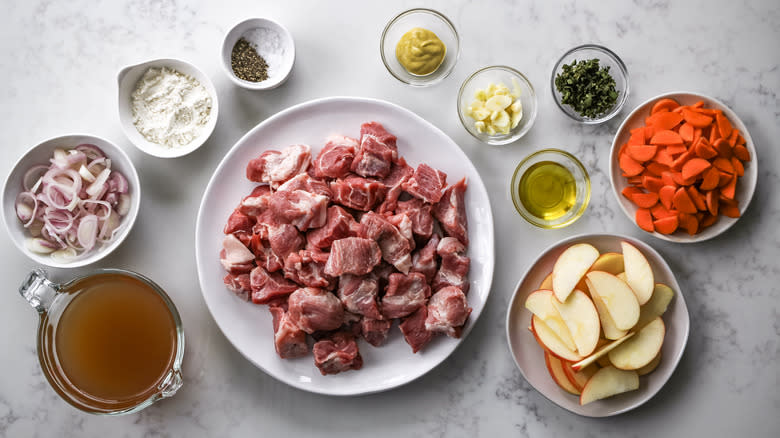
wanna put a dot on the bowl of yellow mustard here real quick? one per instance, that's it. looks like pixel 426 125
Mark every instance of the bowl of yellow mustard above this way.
pixel 420 47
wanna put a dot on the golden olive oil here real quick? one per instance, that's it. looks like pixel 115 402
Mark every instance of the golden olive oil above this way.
pixel 547 190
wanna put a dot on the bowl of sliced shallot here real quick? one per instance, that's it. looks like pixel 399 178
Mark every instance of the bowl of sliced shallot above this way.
pixel 71 200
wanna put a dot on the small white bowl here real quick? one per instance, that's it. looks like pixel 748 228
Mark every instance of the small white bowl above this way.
pixel 746 185
pixel 128 78
pixel 275 78
pixel 40 154
pixel 529 356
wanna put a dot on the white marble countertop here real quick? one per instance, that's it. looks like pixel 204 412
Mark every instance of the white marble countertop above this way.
pixel 58 64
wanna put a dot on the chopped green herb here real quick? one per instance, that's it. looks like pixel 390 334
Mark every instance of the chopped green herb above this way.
pixel 587 88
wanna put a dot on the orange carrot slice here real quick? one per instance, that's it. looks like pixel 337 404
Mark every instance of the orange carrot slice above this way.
pixel 637 137
pixel 678 179
pixel 694 167
pixel 676 149
pixel 730 211
pixel 724 178
pixel 689 223
pixel 656 169
pixel 723 164
pixel 630 191
pixel 729 190
pixel 664 104
pixel 665 120
pixel 666 195
pixel 645 200
pixel 667 225
pixel 723 148
pixel 707 221
pixel 682 159
pixel 724 126
pixel 682 201
pixel 704 150
pixel 686 132
pixel 666 137
pixel 641 153
pixel 712 202
pixel 630 166
pixel 652 183
pixel 659 211
pixel 663 157
pixel 697 198
pixel 733 137
pixel 711 179
pixel 668 179
pixel 714 133
pixel 742 153
pixel 696 119
pixel 739 169
pixel 645 220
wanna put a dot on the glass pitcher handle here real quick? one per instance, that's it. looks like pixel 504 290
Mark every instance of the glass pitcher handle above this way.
pixel 38 290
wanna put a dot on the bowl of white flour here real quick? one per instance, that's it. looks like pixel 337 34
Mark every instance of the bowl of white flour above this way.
pixel 167 107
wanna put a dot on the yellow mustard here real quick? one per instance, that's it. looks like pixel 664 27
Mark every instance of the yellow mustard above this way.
pixel 420 51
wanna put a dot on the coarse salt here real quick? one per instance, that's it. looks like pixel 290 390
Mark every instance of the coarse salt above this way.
pixel 268 43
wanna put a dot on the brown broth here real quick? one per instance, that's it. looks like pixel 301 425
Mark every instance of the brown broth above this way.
pixel 113 343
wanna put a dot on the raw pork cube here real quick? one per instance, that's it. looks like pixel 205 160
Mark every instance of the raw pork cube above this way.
pixel 424 260
pixel 300 208
pixel 399 174
pixel 276 167
pixel 235 257
pixel 358 193
pixel 338 225
pixel 426 183
pixel 304 182
pixel 404 294
pixel 337 353
pixel 396 248
pixel 285 239
pixel 413 328
pixel 421 215
pixel 289 340
pixel 315 309
pixel 404 225
pixel 352 255
pixel 335 159
pixel 359 295
pixel 238 221
pixel 375 331
pixel 454 267
pixel 257 202
pixel 306 267
pixel 374 157
pixel 376 130
pixel 451 212
pixel 238 284
pixel 266 287
pixel 447 311
pixel 264 255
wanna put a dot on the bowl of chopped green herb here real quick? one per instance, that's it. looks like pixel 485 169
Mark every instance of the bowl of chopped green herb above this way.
pixel 590 84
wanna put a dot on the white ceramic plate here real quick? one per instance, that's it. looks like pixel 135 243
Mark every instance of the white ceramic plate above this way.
pixel 249 326
pixel 529 356
pixel 746 185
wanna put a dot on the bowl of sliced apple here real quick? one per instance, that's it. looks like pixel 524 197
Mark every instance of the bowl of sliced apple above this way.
pixel 598 324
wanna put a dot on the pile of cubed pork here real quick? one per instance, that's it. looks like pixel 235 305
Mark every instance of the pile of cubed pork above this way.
pixel 340 245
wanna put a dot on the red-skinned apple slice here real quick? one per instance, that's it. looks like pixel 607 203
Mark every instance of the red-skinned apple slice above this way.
pixel 540 303
pixel 641 349
pixel 656 306
pixel 600 352
pixel 617 296
pixel 607 323
pixel 608 381
pixel 649 368
pixel 555 367
pixel 610 262
pixel 639 274
pixel 579 378
pixel 550 341
pixel 582 319
pixel 570 266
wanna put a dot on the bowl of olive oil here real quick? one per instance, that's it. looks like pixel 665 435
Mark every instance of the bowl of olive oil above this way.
pixel 550 188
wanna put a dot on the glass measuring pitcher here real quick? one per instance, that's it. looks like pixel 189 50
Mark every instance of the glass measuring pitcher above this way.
pixel 110 342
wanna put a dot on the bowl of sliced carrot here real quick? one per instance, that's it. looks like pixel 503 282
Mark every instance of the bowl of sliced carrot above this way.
pixel 683 167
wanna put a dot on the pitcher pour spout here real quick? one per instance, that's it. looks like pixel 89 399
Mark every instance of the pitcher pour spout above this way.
pixel 173 381
pixel 38 290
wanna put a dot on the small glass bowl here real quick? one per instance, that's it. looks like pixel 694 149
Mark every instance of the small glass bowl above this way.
pixel 427 19
pixel 480 80
pixel 581 180
pixel 607 58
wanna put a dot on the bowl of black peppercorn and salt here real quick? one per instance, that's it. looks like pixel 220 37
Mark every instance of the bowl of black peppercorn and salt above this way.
pixel 258 54
pixel 590 84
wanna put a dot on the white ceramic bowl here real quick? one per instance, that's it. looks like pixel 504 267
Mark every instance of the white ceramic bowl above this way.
pixel 746 185
pixel 40 154
pixel 128 78
pixel 275 78
pixel 529 356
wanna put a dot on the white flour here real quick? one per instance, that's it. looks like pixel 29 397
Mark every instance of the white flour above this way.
pixel 268 44
pixel 169 107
